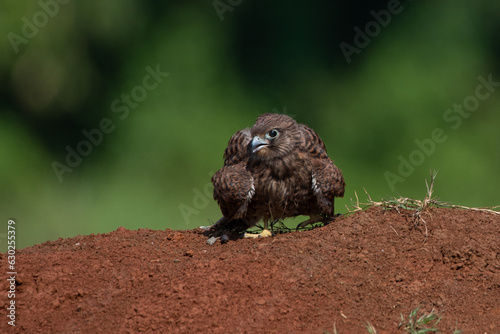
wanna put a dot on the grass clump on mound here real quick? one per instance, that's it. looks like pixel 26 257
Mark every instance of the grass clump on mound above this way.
pixel 416 205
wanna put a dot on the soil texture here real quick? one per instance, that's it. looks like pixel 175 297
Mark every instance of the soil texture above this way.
pixel 371 266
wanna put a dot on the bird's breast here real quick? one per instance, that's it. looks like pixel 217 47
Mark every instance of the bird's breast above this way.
pixel 282 197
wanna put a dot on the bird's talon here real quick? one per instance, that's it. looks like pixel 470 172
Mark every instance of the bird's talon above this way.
pixel 264 234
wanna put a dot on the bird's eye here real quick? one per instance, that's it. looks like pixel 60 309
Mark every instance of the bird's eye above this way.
pixel 272 134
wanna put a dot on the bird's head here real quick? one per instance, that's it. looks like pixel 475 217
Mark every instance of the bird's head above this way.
pixel 273 136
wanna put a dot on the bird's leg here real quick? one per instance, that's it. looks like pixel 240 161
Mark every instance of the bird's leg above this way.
pixel 265 232
pixel 312 220
pixel 318 218
pixel 279 228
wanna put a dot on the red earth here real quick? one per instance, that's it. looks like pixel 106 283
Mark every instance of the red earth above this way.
pixel 371 266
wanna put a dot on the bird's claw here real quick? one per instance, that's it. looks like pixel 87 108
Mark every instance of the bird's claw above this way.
pixel 311 221
pixel 264 234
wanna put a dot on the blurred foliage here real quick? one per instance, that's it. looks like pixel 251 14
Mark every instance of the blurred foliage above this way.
pixel 80 57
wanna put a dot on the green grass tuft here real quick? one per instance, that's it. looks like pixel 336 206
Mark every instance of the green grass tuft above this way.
pixel 420 325
pixel 370 328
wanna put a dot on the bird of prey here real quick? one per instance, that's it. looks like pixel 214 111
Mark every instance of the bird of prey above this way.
pixel 275 170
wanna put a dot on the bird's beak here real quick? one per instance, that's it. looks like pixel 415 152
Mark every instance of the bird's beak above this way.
pixel 258 143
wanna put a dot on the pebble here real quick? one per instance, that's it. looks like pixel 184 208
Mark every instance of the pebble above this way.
pixel 211 240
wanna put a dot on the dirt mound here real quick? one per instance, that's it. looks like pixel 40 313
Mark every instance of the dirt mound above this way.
pixel 372 267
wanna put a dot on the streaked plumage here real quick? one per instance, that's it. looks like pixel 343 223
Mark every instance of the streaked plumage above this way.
pixel 275 170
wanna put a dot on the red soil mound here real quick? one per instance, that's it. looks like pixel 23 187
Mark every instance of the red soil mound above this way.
pixel 372 267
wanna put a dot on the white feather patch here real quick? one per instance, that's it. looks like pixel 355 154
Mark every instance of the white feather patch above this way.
pixel 251 192
pixel 314 186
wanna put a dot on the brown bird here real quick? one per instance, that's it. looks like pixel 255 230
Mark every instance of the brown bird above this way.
pixel 275 170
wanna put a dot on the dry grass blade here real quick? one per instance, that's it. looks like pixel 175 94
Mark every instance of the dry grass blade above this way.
pixel 488 210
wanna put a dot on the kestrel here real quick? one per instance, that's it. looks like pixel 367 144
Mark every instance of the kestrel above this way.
pixel 275 170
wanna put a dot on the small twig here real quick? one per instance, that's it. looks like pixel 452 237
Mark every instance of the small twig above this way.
pixel 394 230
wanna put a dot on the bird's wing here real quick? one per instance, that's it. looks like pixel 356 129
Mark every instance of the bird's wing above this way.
pixel 236 150
pixel 233 190
pixel 327 183
pixel 327 179
pixel 312 143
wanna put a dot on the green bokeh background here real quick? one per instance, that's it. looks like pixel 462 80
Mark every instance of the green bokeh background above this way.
pixel 261 57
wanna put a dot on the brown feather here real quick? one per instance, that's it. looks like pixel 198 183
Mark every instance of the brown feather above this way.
pixel 290 175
